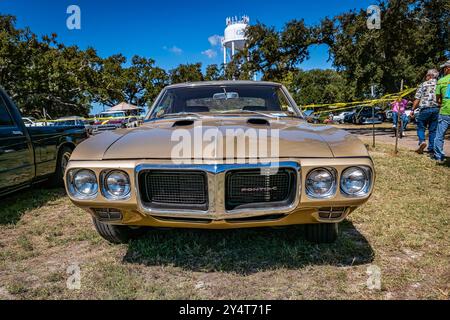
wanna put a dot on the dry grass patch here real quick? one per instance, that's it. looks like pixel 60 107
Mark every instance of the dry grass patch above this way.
pixel 403 230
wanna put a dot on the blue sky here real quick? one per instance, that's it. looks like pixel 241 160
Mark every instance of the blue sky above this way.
pixel 171 32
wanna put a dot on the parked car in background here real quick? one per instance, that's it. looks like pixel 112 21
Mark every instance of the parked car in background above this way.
pixel 311 116
pixel 413 119
pixel 111 120
pixel 368 116
pixel 340 118
pixel 388 116
pixel 74 121
pixel 29 121
pixel 32 122
pixel 348 118
pixel 129 179
pixel 32 154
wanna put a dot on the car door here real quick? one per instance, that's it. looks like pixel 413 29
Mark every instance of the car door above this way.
pixel 16 154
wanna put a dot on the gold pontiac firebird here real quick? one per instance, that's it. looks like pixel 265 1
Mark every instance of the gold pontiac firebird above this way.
pixel 219 155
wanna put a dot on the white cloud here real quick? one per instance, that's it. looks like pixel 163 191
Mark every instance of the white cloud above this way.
pixel 215 40
pixel 210 53
pixel 173 49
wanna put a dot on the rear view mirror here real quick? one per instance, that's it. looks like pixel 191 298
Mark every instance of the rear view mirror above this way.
pixel 226 96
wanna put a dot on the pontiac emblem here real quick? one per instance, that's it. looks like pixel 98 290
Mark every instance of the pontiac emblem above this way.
pixel 259 189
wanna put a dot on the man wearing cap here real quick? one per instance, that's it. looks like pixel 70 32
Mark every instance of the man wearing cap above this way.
pixel 425 99
pixel 443 99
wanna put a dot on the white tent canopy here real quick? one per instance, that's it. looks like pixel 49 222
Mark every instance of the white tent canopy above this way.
pixel 123 106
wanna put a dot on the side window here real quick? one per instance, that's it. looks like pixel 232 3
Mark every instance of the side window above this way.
pixel 164 106
pixel 284 103
pixel 5 117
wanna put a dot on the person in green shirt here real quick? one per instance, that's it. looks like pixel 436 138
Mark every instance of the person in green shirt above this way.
pixel 443 99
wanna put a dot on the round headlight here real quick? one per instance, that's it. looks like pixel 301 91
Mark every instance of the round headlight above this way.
pixel 117 184
pixel 85 182
pixel 320 183
pixel 355 181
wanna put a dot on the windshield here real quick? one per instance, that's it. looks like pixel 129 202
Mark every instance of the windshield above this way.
pixel 219 99
pixel 112 115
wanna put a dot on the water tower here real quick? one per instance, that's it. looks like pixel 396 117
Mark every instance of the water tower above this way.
pixel 234 38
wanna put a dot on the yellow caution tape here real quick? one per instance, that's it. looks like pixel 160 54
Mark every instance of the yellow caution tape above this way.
pixel 341 105
pixel 106 119
pixel 332 107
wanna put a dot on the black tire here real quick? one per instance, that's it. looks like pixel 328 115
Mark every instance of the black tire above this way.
pixel 116 234
pixel 322 232
pixel 61 164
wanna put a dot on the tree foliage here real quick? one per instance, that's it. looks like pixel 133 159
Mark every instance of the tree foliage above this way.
pixel 186 73
pixel 317 86
pixel 43 73
pixel 272 53
pixel 414 36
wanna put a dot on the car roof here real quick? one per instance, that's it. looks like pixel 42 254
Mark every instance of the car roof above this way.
pixel 222 83
pixel 112 111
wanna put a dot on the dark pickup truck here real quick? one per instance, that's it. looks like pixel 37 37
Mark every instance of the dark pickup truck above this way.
pixel 32 154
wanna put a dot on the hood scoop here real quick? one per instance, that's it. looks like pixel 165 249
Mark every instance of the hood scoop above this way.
pixel 258 121
pixel 183 123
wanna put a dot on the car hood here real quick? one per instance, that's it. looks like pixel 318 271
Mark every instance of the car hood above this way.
pixel 163 139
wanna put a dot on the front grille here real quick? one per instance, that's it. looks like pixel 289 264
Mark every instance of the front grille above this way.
pixel 252 189
pixel 174 189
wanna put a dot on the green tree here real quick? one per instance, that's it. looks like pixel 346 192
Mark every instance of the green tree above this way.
pixel 414 36
pixel 317 86
pixel 273 54
pixel 186 73
pixel 44 74
pixel 213 72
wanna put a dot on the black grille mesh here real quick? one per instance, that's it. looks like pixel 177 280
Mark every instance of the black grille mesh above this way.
pixel 175 188
pixel 245 187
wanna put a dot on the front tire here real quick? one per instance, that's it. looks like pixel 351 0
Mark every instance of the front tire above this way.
pixel 116 234
pixel 61 164
pixel 322 232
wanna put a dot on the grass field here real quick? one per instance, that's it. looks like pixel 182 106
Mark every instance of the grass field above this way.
pixel 403 230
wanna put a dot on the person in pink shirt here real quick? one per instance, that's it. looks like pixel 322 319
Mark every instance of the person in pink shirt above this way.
pixel 399 107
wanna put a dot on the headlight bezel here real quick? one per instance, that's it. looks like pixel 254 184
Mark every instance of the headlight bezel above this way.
pixel 106 192
pixel 74 191
pixel 332 190
pixel 365 190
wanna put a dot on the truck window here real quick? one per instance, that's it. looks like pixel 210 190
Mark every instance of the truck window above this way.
pixel 5 117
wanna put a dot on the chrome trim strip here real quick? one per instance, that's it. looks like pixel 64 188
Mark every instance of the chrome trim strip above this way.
pixel 216 191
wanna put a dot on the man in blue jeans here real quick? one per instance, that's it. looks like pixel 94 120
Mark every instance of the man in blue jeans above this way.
pixel 443 99
pixel 428 117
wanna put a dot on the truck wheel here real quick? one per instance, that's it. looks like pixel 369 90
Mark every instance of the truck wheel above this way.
pixel 116 234
pixel 322 232
pixel 61 165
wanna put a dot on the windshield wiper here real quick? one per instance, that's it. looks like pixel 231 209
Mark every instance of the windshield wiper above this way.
pixel 252 112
